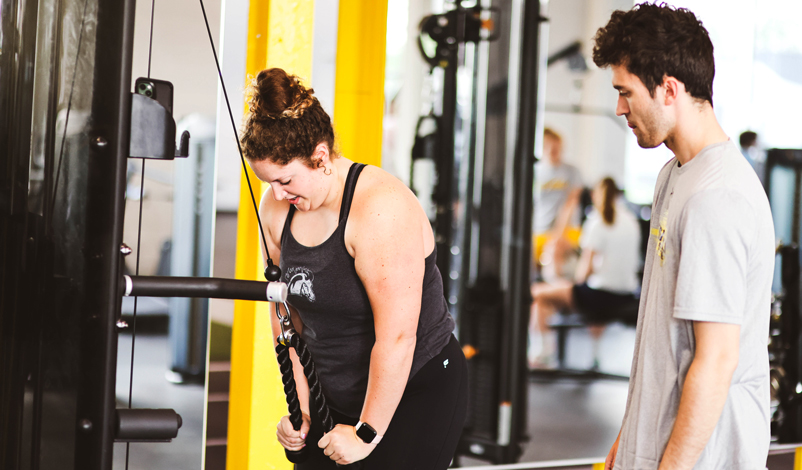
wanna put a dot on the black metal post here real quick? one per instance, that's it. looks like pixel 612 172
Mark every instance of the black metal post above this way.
pixel 517 297
pixel 790 429
pixel 107 163
pixel 444 192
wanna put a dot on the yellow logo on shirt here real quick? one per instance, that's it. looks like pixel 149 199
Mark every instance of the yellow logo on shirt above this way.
pixel 660 238
pixel 554 185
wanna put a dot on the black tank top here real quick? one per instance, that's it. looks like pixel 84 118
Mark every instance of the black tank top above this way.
pixel 334 307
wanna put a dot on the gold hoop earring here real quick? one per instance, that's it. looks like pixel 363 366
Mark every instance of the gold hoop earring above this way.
pixel 326 169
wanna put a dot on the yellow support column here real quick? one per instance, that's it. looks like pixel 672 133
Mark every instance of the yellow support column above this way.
pixel 279 35
pixel 798 459
pixel 359 80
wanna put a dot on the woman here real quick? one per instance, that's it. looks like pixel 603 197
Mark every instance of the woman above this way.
pixel 606 276
pixel 358 255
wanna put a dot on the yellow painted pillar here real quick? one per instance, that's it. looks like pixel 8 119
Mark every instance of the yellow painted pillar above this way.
pixel 359 80
pixel 798 459
pixel 279 35
pixel 598 466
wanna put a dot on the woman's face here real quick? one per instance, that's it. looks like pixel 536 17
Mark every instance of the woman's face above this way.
pixel 597 196
pixel 301 186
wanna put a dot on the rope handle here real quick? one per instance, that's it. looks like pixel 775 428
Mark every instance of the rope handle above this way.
pixel 316 395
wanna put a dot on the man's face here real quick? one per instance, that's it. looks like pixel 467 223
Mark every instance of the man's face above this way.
pixel 645 115
pixel 552 149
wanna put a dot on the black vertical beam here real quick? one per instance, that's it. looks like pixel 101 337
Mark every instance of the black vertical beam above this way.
pixel 790 429
pixel 444 192
pixel 17 339
pixel 107 159
pixel 517 297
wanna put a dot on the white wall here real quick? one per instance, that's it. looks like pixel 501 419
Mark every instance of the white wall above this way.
pixel 181 52
pixel 594 138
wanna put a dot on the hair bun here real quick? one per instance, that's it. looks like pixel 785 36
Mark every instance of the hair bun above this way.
pixel 274 94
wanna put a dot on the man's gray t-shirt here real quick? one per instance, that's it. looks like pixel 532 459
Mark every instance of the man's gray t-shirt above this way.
pixel 710 258
pixel 553 184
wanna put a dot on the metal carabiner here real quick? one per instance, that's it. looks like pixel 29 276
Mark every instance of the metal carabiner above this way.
pixel 286 325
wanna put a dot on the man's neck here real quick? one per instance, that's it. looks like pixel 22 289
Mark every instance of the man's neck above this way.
pixel 696 129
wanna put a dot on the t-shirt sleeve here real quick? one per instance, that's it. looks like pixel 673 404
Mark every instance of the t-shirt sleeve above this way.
pixel 591 237
pixel 574 178
pixel 717 228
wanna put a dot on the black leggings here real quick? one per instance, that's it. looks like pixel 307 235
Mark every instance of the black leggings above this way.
pixel 426 426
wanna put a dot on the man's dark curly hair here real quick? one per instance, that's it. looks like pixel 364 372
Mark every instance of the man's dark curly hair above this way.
pixel 655 41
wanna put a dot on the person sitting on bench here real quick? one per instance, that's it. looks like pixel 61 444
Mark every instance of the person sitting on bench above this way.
pixel 606 275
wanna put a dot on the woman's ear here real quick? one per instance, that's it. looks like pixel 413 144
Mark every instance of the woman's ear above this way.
pixel 321 156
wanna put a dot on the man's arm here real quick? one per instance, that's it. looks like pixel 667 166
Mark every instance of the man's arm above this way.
pixel 609 462
pixel 704 393
pixel 563 218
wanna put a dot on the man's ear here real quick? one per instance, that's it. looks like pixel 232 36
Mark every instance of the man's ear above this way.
pixel 673 89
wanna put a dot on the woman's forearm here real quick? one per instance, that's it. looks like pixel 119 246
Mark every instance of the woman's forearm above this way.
pixel 390 364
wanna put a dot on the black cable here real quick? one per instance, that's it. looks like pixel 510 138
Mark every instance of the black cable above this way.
pixel 239 147
pixel 133 320
pixel 138 244
pixel 150 42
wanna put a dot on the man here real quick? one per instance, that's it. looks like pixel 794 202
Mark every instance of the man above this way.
pixel 699 387
pixel 556 220
pixel 752 153
pixel 555 228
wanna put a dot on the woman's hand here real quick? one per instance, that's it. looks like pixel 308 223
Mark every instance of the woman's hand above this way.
pixel 289 437
pixel 343 445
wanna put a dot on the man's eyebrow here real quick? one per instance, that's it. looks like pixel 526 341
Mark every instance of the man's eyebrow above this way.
pixel 619 87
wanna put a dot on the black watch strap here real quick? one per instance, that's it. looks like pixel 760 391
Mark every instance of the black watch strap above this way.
pixel 366 432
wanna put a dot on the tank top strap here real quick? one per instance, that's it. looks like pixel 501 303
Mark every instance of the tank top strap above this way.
pixel 287 222
pixel 348 192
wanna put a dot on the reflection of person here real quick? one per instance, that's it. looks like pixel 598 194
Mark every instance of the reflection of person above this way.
pixel 606 276
pixel 557 189
pixel 752 153
pixel 367 296
pixel 699 387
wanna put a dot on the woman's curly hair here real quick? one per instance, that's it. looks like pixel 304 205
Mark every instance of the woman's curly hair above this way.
pixel 656 41
pixel 285 121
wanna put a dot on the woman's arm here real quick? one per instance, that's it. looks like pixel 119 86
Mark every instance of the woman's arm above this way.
pixel 273 214
pixel 584 267
pixel 389 241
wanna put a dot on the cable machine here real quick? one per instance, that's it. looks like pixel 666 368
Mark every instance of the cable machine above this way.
pixel 783 179
pixel 483 155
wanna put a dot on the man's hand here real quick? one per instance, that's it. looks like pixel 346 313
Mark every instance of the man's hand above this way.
pixel 288 437
pixel 610 461
pixel 343 445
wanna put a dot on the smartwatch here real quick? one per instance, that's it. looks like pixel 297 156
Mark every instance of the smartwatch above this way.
pixel 366 432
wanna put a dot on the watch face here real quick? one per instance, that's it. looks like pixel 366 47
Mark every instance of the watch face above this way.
pixel 366 433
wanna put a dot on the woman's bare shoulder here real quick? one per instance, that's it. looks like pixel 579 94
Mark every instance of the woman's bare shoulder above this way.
pixel 378 189
pixel 273 214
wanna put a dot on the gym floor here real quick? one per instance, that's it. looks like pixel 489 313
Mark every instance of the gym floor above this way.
pixel 568 419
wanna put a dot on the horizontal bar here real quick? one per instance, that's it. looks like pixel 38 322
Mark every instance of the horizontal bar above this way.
pixel 146 425
pixel 204 288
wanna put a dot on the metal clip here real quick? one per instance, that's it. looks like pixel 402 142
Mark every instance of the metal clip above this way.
pixel 286 325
